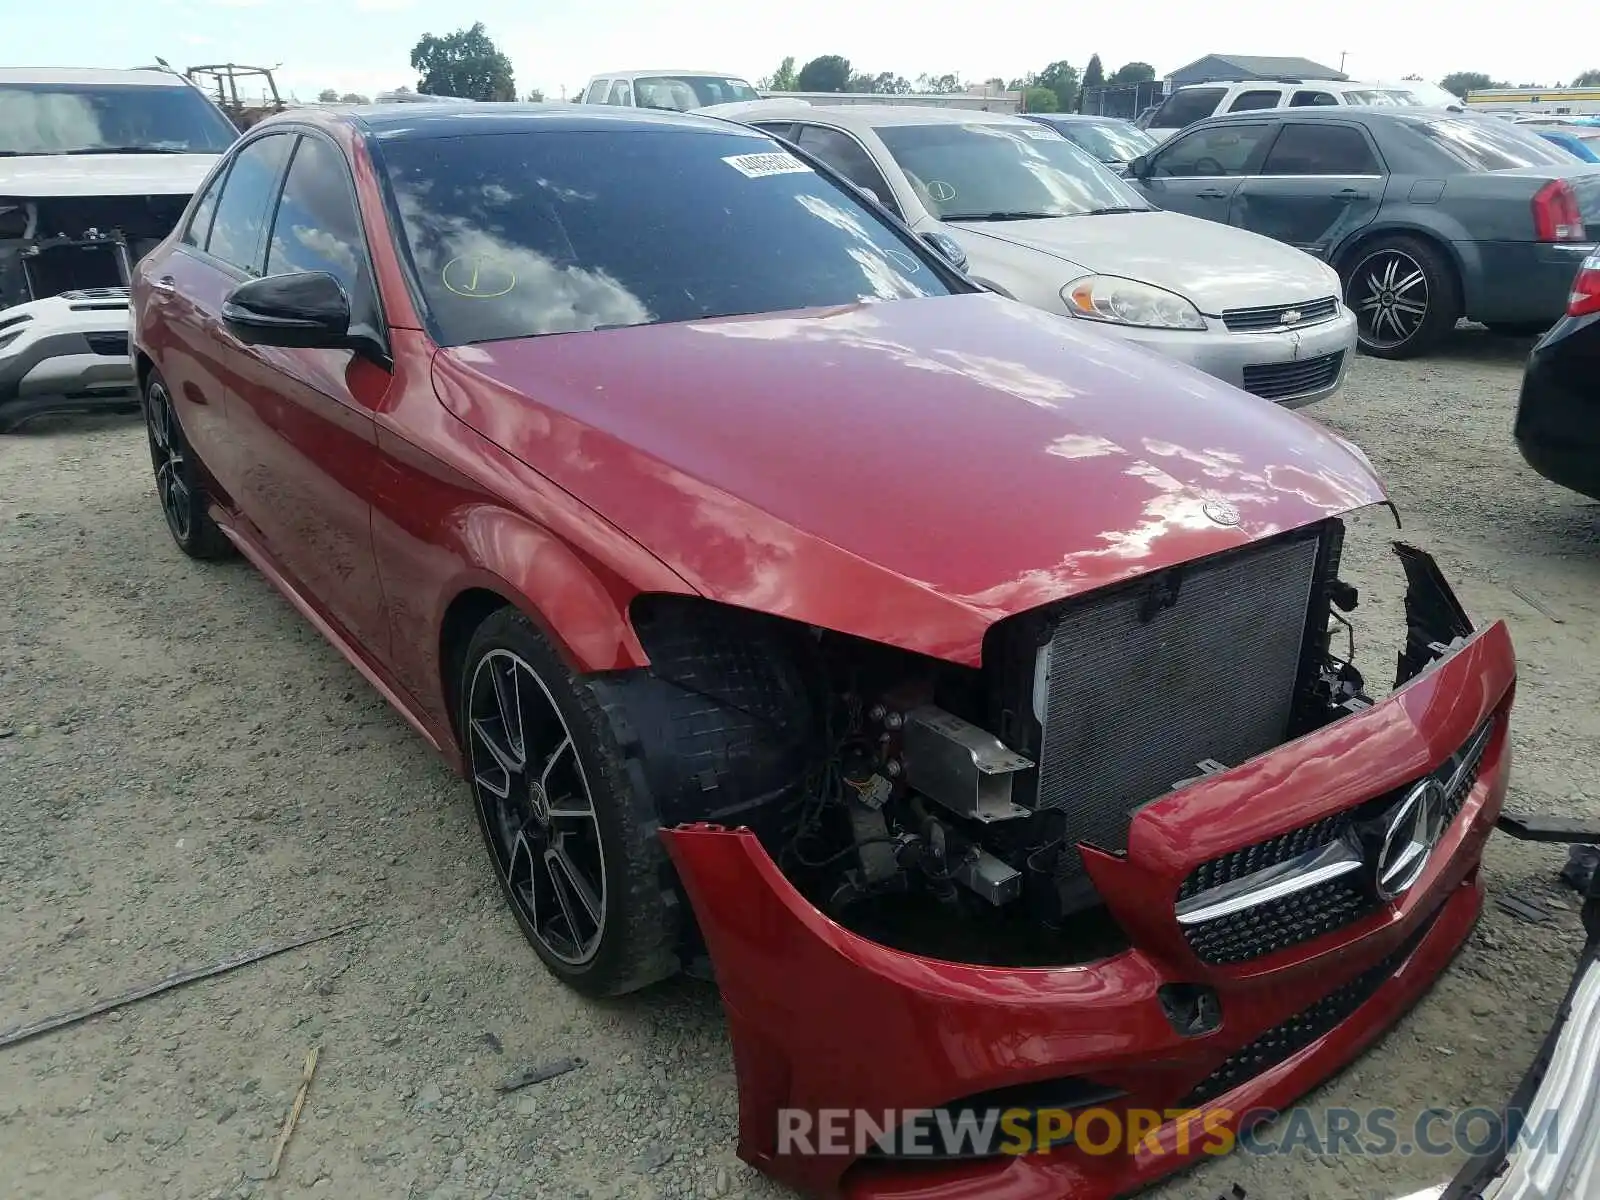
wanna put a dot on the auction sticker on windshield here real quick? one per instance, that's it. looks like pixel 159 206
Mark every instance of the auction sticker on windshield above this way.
pixel 754 166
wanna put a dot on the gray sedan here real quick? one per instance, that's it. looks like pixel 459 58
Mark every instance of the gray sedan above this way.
pixel 1029 215
pixel 1428 215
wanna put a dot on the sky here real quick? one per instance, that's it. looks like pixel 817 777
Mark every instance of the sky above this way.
pixel 365 45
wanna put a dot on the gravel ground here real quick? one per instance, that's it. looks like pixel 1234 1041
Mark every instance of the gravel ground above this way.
pixel 188 771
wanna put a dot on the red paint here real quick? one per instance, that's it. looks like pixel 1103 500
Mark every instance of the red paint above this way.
pixel 822 1018
pixel 908 472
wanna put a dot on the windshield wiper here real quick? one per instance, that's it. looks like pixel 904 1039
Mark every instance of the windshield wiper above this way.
pixel 1000 216
pixel 1113 211
pixel 122 150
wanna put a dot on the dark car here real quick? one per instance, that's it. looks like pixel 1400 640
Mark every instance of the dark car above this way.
pixel 1558 413
pixel 789 601
pixel 1428 215
pixel 1111 140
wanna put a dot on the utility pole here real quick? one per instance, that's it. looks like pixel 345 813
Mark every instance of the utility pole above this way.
pixel 1342 53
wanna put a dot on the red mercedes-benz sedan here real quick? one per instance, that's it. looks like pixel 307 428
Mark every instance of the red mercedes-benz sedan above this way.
pixel 972 693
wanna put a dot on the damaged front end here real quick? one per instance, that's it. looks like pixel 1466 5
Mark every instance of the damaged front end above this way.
pixel 65 266
pixel 1167 851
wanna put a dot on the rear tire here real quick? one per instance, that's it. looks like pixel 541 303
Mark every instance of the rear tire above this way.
pixel 562 809
pixel 180 483
pixel 1404 293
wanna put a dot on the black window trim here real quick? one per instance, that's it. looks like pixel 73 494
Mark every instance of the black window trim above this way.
pixel 218 176
pixel 1256 158
pixel 379 328
pixel 1382 172
pixel 958 282
pixel 894 206
pixel 204 252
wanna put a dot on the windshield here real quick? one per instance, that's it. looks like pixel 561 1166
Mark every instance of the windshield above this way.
pixel 517 234
pixel 60 118
pixel 1119 143
pixel 684 92
pixel 995 171
pixel 1489 145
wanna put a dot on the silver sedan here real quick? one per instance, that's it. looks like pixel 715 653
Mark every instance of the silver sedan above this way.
pixel 1030 215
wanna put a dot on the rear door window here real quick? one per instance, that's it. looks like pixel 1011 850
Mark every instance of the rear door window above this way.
pixel 1218 151
pixel 1186 106
pixel 1312 99
pixel 620 93
pixel 596 92
pixel 238 231
pixel 1320 149
pixel 1260 98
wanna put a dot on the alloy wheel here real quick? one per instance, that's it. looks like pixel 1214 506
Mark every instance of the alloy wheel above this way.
pixel 536 805
pixel 1389 292
pixel 167 455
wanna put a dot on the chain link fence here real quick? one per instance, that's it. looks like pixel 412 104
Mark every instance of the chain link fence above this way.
pixel 1125 100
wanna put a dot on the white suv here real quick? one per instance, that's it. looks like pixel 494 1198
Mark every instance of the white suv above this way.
pixel 96 167
pixel 1200 100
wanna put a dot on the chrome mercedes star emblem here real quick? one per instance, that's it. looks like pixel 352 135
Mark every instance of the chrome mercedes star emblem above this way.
pixel 1409 838
pixel 1292 315
pixel 1221 512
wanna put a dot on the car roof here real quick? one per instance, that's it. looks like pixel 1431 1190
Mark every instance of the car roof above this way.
pixel 1341 112
pixel 1345 84
pixel 696 72
pixel 869 114
pixel 405 122
pixel 90 75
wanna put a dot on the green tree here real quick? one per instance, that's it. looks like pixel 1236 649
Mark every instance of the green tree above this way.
pixel 861 82
pixel 1459 83
pixel 889 84
pixel 1039 99
pixel 1134 72
pixel 353 98
pixel 327 95
pixel 1589 78
pixel 465 63
pixel 784 79
pixel 1061 77
pixel 535 95
pixel 828 73
pixel 938 85
pixel 1094 75
pixel 1411 78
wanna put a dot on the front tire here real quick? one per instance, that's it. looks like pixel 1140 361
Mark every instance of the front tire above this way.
pixel 1405 296
pixel 179 482
pixel 570 833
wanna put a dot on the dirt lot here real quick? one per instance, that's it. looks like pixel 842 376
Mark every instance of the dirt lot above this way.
pixel 187 771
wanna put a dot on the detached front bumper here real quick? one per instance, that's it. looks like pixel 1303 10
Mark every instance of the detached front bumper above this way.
pixel 823 1020
pixel 65 353
pixel 1289 367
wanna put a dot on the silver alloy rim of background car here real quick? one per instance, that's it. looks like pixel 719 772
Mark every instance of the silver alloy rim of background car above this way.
pixel 166 453
pixel 1390 295
pixel 536 805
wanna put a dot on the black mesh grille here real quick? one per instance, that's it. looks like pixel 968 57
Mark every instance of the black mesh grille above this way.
pixel 1282 1042
pixel 1285 380
pixel 1271 316
pixel 1200 663
pixel 1267 928
pixel 1260 931
pixel 114 345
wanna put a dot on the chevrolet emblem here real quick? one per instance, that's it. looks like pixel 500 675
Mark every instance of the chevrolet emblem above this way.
pixel 1292 315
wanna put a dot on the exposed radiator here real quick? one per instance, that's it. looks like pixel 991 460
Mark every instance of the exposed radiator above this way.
pixel 1199 663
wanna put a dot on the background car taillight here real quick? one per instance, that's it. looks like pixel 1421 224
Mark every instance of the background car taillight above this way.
pixel 1585 297
pixel 1555 213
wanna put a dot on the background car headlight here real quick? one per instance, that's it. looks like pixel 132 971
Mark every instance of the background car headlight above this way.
pixel 1129 302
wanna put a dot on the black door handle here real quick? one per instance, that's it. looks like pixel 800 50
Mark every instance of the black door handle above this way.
pixel 1350 194
pixel 1211 194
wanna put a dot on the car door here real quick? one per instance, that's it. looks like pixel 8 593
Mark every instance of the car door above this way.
pixel 1319 181
pixel 847 156
pixel 187 288
pixel 303 417
pixel 1198 171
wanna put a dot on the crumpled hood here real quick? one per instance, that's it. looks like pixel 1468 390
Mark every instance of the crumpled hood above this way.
pixel 909 472
pixel 33 176
pixel 1215 266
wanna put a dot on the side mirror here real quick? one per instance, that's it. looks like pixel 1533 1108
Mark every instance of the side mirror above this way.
pixel 1139 168
pixel 949 249
pixel 307 310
